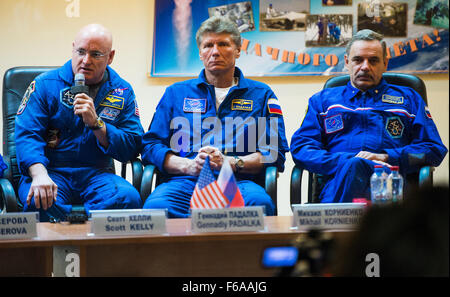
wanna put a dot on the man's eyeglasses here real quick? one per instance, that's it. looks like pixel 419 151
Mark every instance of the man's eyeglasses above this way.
pixel 94 54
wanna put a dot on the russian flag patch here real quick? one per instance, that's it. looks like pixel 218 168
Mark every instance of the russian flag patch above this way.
pixel 274 106
pixel 427 112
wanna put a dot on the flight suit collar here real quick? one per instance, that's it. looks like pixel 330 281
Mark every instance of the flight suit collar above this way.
pixel 113 81
pixel 374 92
pixel 242 83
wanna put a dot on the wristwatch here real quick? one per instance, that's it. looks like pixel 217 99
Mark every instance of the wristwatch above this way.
pixel 239 164
pixel 98 124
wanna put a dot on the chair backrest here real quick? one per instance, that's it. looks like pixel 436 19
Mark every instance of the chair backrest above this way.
pixel 401 79
pixel 15 82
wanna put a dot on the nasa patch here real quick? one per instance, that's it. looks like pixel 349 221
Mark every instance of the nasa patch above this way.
pixel 194 105
pixel 334 124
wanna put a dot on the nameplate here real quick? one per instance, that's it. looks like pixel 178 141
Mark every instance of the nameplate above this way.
pixel 228 219
pixel 327 215
pixel 128 222
pixel 18 225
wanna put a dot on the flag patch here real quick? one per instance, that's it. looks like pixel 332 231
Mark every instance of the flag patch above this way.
pixel 427 112
pixel 274 106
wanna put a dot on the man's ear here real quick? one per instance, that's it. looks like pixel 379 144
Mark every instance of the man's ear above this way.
pixel 386 63
pixel 111 56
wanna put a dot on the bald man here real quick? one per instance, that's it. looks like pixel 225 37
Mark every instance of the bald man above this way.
pixel 65 142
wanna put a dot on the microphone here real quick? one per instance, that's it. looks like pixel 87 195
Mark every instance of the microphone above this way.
pixel 80 86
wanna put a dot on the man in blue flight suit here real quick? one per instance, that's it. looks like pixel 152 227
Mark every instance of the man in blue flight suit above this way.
pixel 349 129
pixel 65 143
pixel 221 114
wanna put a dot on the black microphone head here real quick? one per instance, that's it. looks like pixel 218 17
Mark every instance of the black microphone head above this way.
pixel 79 79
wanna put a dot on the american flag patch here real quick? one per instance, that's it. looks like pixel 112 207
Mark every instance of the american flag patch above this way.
pixel 274 106
pixel 427 112
pixel 136 108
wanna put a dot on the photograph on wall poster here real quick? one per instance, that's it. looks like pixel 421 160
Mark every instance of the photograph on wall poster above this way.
pixel 240 13
pixel 328 30
pixel 387 18
pixel 336 2
pixel 283 15
pixel 432 13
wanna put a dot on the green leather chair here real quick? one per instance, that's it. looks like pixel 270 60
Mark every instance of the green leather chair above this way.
pixel 15 82
pixel 315 181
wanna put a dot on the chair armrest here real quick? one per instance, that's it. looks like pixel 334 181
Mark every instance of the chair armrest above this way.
pixel 8 200
pixel 136 172
pixel 8 172
pixel 426 176
pixel 271 184
pixel 296 185
pixel 150 173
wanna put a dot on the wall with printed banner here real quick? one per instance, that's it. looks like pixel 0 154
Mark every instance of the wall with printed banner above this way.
pixel 303 37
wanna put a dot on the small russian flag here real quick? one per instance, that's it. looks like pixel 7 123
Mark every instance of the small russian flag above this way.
pixel 274 106
pixel 227 184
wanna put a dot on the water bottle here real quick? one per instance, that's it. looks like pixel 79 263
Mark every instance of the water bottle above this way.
pixel 378 185
pixel 395 185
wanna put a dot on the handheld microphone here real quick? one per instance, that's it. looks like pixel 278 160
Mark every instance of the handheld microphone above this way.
pixel 80 86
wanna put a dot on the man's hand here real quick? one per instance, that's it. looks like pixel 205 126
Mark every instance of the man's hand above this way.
pixel 84 107
pixel 178 165
pixel 216 158
pixel 42 188
pixel 377 158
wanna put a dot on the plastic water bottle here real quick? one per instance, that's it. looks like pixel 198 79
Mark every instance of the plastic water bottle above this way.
pixel 378 185
pixel 395 185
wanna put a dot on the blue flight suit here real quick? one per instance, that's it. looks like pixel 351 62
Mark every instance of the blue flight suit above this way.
pixel 342 121
pixel 186 120
pixel 48 132
pixel 3 166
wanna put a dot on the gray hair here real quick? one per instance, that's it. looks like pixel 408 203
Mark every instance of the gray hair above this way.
pixel 219 25
pixel 367 35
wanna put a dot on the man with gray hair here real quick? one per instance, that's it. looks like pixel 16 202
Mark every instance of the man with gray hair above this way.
pixel 218 115
pixel 349 129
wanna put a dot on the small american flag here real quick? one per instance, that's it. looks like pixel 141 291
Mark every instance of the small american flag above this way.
pixel 207 193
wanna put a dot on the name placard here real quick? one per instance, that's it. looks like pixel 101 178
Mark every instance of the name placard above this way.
pixel 128 222
pixel 18 225
pixel 327 215
pixel 249 218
